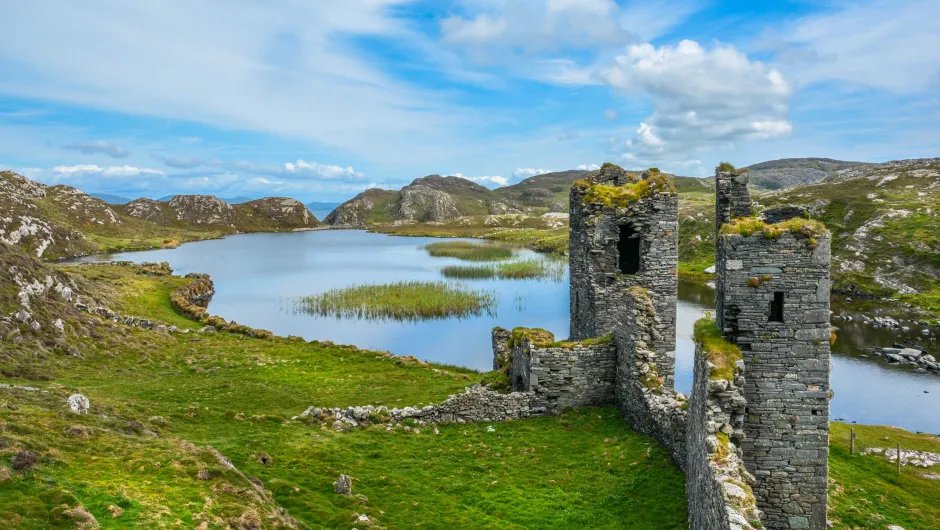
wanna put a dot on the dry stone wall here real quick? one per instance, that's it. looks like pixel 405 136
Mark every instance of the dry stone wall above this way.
pixel 647 405
pixel 573 375
pixel 786 367
pixel 718 487
pixel 598 287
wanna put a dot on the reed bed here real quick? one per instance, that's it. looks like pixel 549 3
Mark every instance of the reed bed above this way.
pixel 515 270
pixel 403 301
pixel 469 251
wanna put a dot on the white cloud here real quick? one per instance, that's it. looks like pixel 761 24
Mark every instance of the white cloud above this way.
pixel 99 147
pixel 489 181
pixel 887 45
pixel 532 26
pixel 610 114
pixel 526 172
pixel 702 99
pixel 113 171
pixel 295 69
pixel 589 167
pixel 324 171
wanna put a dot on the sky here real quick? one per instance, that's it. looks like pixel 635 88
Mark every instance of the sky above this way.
pixel 320 100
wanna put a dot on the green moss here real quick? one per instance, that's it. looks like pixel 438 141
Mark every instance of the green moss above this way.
pixel 748 226
pixel 720 352
pixel 624 195
pixel 727 167
pixel 538 337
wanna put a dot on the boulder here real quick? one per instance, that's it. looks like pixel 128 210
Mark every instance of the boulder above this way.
pixel 78 404
pixel 344 485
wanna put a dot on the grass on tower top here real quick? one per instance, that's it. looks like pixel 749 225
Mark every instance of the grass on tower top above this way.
pixel 469 251
pixel 405 301
pixel 720 352
pixel 798 226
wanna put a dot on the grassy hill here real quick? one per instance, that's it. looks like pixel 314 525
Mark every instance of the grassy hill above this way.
pixel 790 172
pixel 167 408
pixel 61 221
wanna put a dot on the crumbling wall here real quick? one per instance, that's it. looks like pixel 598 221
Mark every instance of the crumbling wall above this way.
pixel 597 284
pixel 786 365
pixel 565 374
pixel 718 487
pixel 647 405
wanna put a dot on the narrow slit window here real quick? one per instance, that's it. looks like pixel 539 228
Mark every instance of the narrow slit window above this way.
pixel 776 308
pixel 629 249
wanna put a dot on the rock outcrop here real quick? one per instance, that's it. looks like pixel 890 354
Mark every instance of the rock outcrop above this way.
pixel 281 212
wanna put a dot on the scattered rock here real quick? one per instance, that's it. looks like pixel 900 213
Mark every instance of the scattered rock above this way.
pixel 204 474
pixel 344 485
pixel 24 461
pixel 250 520
pixel 83 519
pixel 5 474
pixel 116 511
pixel 265 459
pixel 78 403
pixel 79 431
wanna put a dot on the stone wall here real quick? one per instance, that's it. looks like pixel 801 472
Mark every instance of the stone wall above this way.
pixel 570 374
pixel 476 403
pixel 786 368
pixel 598 286
pixel 647 405
pixel 718 487
pixel 732 200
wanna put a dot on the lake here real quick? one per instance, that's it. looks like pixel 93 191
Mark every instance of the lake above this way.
pixel 258 275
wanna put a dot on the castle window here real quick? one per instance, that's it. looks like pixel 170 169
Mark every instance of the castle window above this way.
pixel 776 308
pixel 629 248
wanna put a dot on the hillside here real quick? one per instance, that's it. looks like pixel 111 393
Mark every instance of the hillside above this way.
pixel 61 221
pixel 432 198
pixel 790 172
pixel 191 428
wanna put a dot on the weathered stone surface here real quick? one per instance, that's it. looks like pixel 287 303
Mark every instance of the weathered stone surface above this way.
pixel 343 485
pixel 78 404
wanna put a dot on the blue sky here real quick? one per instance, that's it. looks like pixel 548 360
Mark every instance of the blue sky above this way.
pixel 320 100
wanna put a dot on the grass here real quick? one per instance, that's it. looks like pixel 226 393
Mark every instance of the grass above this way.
pixel 468 251
pixel 515 270
pixel 720 352
pixel 623 195
pixel 407 301
pixel 747 226
pixel 584 469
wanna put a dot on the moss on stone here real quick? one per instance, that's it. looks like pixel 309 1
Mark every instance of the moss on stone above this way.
pixel 748 226
pixel 728 167
pixel 720 352
pixel 538 337
pixel 624 195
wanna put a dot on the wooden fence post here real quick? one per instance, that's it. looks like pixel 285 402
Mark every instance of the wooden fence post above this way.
pixel 852 442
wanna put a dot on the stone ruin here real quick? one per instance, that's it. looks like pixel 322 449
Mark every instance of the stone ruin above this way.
pixel 753 435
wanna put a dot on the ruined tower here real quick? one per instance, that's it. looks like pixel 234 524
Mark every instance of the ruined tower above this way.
pixel 623 234
pixel 773 302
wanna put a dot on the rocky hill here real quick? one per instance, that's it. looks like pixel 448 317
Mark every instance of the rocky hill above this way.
pixel 431 198
pixel 790 172
pixel 59 221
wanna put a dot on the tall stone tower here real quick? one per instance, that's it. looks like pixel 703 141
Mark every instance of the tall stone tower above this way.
pixel 773 302
pixel 624 233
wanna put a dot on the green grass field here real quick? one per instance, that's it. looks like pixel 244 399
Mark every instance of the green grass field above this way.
pixel 159 400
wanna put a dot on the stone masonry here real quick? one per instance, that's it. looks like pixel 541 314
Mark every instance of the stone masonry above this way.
pixel 598 284
pixel 775 307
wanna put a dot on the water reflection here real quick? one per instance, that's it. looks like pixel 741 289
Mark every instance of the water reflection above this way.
pixel 254 274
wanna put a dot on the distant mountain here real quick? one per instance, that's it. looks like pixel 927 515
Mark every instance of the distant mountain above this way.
pixel 61 221
pixel 430 198
pixel 790 172
pixel 111 199
pixel 233 200
pixel 322 205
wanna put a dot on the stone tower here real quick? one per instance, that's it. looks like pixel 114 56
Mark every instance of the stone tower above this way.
pixel 773 302
pixel 623 234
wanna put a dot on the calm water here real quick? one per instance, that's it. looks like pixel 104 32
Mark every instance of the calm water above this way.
pixel 256 276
